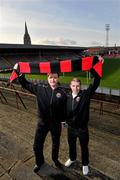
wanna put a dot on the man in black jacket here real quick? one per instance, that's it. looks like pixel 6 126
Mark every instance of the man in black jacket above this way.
pixel 51 101
pixel 77 119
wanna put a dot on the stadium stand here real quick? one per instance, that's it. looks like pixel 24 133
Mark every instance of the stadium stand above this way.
pixel 11 54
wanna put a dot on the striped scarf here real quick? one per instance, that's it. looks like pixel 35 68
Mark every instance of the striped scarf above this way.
pixel 67 65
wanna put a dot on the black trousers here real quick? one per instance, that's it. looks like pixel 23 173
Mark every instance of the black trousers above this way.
pixel 40 135
pixel 83 139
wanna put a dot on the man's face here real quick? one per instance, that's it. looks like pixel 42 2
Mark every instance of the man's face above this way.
pixel 75 87
pixel 53 80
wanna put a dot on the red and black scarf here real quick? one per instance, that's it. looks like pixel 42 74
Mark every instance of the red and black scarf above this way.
pixel 67 65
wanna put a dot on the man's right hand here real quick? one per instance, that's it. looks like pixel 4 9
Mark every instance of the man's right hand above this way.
pixel 15 66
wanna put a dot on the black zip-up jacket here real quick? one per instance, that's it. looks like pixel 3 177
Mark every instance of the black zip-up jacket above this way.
pixel 51 103
pixel 78 107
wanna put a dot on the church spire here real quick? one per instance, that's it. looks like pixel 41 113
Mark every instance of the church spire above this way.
pixel 27 39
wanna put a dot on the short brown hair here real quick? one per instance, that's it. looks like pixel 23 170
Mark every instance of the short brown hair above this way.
pixel 76 80
pixel 53 73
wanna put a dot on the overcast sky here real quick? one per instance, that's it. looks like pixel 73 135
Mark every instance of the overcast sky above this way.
pixel 60 22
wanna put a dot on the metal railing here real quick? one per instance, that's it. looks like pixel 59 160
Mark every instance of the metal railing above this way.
pixel 96 102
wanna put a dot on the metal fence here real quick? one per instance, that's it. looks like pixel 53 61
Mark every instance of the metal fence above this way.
pixel 101 90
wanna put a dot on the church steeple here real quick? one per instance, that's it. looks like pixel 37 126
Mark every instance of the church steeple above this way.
pixel 27 39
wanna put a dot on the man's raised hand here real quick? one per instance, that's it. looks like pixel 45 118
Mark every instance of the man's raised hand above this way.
pixel 15 66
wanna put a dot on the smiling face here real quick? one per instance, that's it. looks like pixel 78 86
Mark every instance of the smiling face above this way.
pixel 53 80
pixel 75 86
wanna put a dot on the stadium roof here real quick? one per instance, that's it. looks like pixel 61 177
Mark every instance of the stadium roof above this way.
pixel 52 47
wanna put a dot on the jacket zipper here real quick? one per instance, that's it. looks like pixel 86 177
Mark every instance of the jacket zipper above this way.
pixel 51 104
pixel 73 107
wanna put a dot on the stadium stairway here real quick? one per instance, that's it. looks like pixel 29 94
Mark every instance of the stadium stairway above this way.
pixel 17 128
